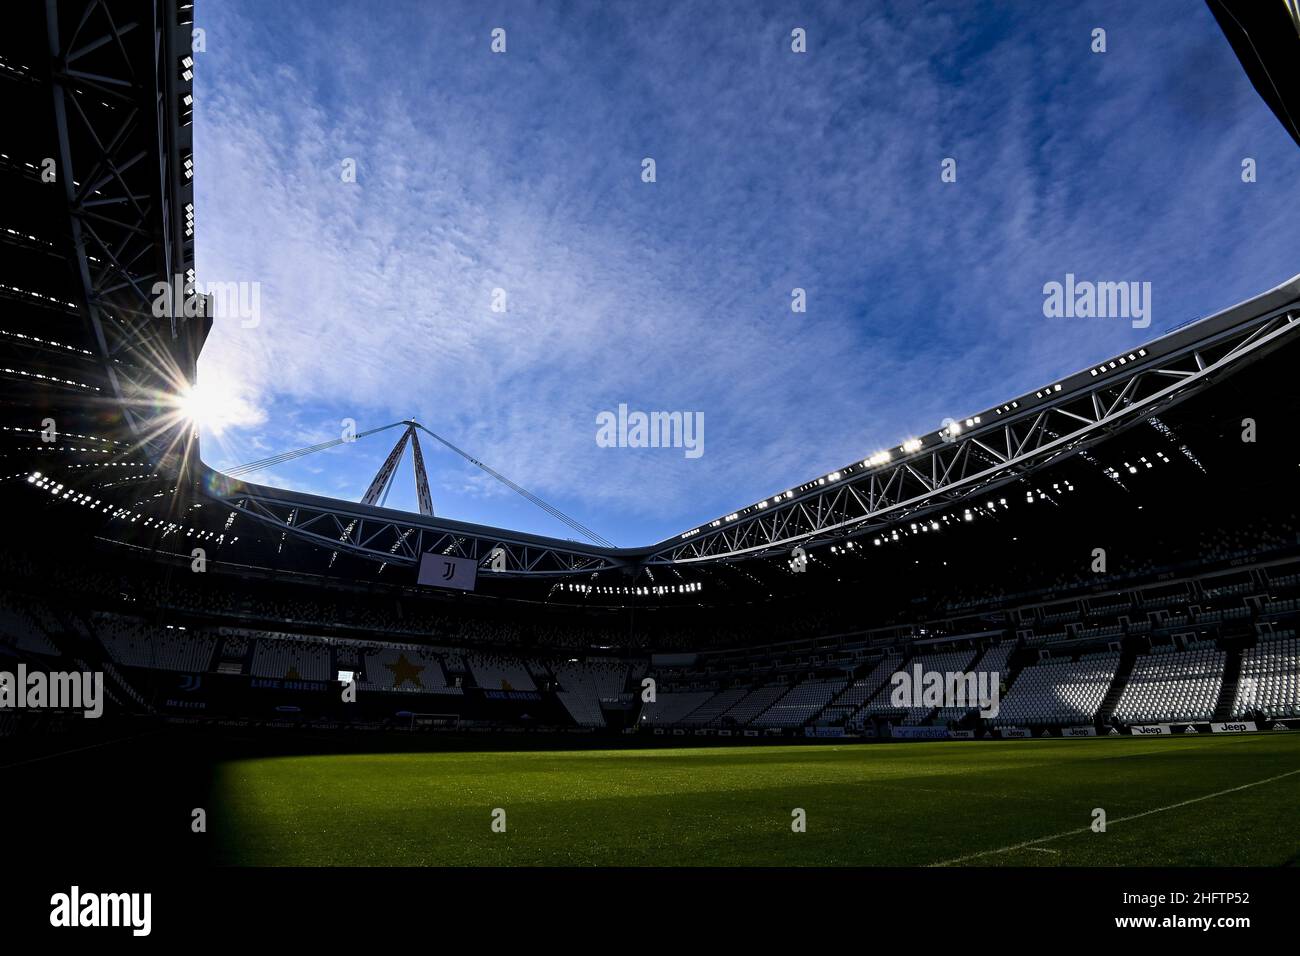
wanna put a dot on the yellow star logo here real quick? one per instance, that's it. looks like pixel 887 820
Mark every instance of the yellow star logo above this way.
pixel 404 670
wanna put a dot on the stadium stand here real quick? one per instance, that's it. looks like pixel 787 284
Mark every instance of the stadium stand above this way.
pixel 669 708
pixel 19 630
pixel 753 704
pixel 1270 677
pixel 850 701
pixel 500 672
pixel 138 644
pixel 1059 691
pixel 778 686
pixel 407 669
pixel 943 663
pixel 994 659
pixel 1168 685
pixel 291 659
pixel 584 685
pixel 715 706
pixel 800 704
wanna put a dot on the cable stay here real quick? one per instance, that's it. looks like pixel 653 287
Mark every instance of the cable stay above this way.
pixel 381 485
pixel 252 466
pixel 549 509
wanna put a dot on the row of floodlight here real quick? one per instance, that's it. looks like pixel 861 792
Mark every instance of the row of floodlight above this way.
pixel 911 446
pixel 42 377
pixel 33 431
pixel 940 522
pixel 47 342
pixel 692 588
pixel 29 237
pixel 1031 495
pixel 37 295
pixel 63 493
pixel 1105 367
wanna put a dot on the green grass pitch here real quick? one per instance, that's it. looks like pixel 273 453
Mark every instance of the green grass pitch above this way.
pixel 909 804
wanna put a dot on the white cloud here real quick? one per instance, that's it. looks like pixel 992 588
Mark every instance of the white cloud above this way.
pixel 521 173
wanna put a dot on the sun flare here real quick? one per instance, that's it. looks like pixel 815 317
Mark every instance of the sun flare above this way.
pixel 213 407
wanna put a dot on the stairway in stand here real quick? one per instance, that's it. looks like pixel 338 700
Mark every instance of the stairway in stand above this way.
pixel 1127 658
pixel 1228 693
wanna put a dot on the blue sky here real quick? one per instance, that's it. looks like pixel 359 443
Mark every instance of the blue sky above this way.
pixel 775 170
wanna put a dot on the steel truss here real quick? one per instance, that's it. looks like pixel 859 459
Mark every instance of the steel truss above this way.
pixel 389 539
pixel 865 499
pixel 122 103
pixel 121 73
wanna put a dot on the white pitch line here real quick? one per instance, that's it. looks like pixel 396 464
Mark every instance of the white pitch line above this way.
pixel 1136 816
pixel 77 750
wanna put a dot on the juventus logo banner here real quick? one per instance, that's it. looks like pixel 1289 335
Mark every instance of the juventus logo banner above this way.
pixel 441 571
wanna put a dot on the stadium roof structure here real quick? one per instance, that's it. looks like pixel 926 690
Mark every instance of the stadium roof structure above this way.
pixel 989 449
pixel 1265 36
pixel 102 95
pixel 967 460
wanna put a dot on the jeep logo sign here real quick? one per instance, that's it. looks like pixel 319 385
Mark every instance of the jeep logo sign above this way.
pixel 1240 727
pixel 1143 731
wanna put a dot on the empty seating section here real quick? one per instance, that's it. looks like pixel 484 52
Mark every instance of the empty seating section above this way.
pixel 1270 678
pixel 1101 631
pixel 835 715
pixel 292 659
pixel 715 706
pixel 1059 691
pixel 122 683
pixel 582 686
pixel 1215 617
pixel 752 704
pixel 498 672
pixel 950 715
pixel 1162 600
pixel 234 647
pixel 1168 684
pixel 800 704
pixel 601 679
pixel 669 708
pixel 406 669
pixel 784 685
pixel 947 662
pixel 1059 615
pixel 994 659
pixel 1103 607
pixel 850 700
pixel 1048 637
pixel 584 708
pixel 135 643
pixel 18 629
